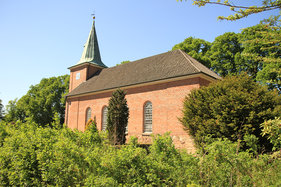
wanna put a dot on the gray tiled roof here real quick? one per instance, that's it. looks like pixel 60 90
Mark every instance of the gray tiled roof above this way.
pixel 159 67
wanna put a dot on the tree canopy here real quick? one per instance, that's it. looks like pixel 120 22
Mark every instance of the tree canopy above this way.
pixel 13 113
pixel 123 62
pixel 240 10
pixel 262 53
pixel 42 104
pixel 197 48
pixel 224 54
pixel 262 43
pixel 256 51
pixel 231 108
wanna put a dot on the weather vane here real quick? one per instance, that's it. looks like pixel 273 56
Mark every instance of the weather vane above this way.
pixel 93 14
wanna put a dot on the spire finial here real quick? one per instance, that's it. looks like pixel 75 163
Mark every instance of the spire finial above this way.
pixel 93 14
pixel 91 52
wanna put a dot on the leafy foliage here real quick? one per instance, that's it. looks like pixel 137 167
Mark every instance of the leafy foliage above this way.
pixel 260 44
pixel 14 113
pixel 91 123
pixel 256 51
pixel 123 62
pixel 34 156
pixel 117 120
pixel 197 48
pixel 1 110
pixel 262 52
pixel 230 108
pixel 272 130
pixel 225 51
pixel 240 10
pixel 42 104
pixel 222 165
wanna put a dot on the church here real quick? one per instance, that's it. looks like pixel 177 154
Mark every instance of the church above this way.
pixel 156 87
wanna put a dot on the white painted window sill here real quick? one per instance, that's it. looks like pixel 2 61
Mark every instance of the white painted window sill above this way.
pixel 146 133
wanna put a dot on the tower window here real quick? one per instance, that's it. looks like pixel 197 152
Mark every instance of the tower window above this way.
pixel 147 114
pixel 77 76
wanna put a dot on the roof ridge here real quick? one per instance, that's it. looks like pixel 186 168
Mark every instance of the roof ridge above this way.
pixel 163 66
pixel 138 60
pixel 184 54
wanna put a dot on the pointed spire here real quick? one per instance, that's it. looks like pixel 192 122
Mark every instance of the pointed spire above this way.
pixel 91 52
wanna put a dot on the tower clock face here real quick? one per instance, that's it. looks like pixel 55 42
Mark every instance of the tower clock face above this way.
pixel 77 76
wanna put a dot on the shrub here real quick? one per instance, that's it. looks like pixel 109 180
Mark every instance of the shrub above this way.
pixel 36 156
pixel 230 108
pixel 117 121
pixel 272 130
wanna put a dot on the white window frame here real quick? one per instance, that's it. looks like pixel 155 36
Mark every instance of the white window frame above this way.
pixel 88 114
pixel 147 117
pixel 104 118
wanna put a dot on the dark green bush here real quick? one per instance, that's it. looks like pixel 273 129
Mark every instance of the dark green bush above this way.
pixel 117 120
pixel 231 108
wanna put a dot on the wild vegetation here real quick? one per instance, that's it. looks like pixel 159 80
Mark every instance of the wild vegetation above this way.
pixel 31 155
pixel 236 124
pixel 52 155
pixel 43 104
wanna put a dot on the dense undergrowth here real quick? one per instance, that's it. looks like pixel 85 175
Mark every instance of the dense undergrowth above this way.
pixel 36 156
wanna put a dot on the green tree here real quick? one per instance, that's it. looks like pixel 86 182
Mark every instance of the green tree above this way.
pixel 266 35
pixel 256 51
pixel 249 51
pixel 241 11
pixel 1 110
pixel 197 48
pixel 224 52
pixel 13 113
pixel 117 120
pixel 271 75
pixel 269 38
pixel 231 108
pixel 123 62
pixel 262 52
pixel 42 102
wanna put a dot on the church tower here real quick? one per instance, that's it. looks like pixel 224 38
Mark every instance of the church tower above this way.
pixel 89 63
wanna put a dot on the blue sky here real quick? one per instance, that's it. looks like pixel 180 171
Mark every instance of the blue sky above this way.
pixel 40 39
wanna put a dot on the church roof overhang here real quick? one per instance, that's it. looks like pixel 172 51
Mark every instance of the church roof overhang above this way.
pixel 85 63
pixel 149 83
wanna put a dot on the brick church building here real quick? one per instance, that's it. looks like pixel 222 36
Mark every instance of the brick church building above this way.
pixel 156 87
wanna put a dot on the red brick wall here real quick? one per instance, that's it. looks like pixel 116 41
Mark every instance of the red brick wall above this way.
pixel 83 77
pixel 91 71
pixel 167 102
pixel 86 71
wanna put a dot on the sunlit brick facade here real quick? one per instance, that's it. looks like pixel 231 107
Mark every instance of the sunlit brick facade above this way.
pixel 162 80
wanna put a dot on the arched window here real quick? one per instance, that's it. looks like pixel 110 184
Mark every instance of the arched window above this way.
pixel 88 114
pixel 104 118
pixel 147 117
